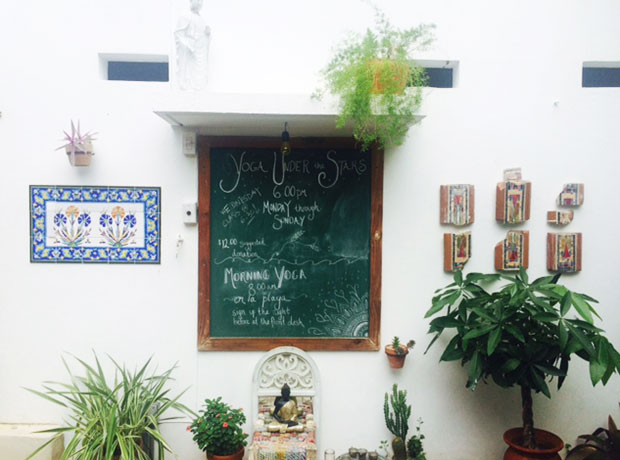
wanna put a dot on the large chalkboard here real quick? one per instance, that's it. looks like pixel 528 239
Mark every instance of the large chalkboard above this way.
pixel 289 247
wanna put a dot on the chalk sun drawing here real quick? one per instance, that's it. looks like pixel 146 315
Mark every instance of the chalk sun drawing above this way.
pixel 345 315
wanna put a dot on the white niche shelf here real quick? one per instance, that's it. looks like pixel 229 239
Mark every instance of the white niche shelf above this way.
pixel 219 114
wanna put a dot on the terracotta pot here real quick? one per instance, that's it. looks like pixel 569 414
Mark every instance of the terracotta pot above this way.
pixel 236 456
pixel 79 157
pixel 397 360
pixel 549 445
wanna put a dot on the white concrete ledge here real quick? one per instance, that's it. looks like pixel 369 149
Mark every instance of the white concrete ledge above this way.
pixel 17 441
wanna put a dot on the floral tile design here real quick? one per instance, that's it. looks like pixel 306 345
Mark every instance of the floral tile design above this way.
pixel 95 224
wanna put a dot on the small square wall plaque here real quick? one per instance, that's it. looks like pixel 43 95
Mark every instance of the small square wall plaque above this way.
pixel 571 195
pixel 457 204
pixel 564 252
pixel 94 224
pixel 513 252
pixel 456 250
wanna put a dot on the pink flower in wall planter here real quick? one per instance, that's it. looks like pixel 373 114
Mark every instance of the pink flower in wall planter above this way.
pixel 79 147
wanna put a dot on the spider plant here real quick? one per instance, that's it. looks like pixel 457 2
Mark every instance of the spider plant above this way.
pixel 108 420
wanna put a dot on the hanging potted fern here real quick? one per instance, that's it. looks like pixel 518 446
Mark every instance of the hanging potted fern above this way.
pixel 378 82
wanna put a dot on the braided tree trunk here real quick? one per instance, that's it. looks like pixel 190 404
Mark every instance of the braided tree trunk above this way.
pixel 529 440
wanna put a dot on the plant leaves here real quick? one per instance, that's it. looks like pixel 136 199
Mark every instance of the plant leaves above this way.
pixel 523 275
pixel 475 370
pixel 582 307
pixel 545 317
pixel 483 314
pixel 582 339
pixel 510 365
pixel 478 332
pixel 565 303
pixel 452 351
pixel 539 383
pixel 516 333
pixel 562 335
pixel 494 338
pixel 597 371
pixel 437 306
pixel 550 370
pixel 446 322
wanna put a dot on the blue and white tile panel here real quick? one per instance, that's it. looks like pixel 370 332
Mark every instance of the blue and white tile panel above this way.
pixel 95 224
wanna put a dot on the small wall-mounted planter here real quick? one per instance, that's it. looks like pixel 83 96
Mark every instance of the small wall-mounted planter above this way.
pixel 79 147
pixel 80 157
pixel 396 358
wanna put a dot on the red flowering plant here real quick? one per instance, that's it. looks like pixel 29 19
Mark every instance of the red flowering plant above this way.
pixel 217 430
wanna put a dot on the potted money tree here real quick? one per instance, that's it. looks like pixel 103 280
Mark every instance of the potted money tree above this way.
pixel 521 334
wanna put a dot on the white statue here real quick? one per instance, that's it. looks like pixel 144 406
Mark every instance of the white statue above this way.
pixel 192 37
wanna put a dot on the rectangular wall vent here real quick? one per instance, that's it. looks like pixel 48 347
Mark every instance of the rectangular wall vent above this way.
pixel 601 75
pixel 440 73
pixel 134 67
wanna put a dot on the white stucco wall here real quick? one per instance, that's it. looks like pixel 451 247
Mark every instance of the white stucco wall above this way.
pixel 519 102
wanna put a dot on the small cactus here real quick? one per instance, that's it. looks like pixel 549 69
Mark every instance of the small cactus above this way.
pixel 398 422
pixel 399 348
pixel 399 449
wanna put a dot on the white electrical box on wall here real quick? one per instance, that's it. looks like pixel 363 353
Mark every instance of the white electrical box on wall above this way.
pixel 190 213
pixel 189 143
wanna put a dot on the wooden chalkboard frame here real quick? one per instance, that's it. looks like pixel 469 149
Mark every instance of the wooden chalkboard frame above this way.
pixel 205 341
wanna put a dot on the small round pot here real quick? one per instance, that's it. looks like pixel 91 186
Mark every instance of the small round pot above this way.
pixel 397 360
pixel 549 445
pixel 236 456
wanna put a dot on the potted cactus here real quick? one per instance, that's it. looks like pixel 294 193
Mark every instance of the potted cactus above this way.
pixel 397 421
pixel 397 352
pixel 79 147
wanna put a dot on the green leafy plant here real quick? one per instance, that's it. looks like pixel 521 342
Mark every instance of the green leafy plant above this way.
pixel 602 444
pixel 415 449
pixel 108 419
pixel 217 430
pixel 383 447
pixel 369 72
pixel 521 334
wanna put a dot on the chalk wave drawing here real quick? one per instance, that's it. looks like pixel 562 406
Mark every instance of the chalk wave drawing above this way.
pixel 345 315
pixel 297 263
pixel 287 254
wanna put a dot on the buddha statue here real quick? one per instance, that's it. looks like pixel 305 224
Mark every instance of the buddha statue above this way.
pixel 285 408
pixel 285 413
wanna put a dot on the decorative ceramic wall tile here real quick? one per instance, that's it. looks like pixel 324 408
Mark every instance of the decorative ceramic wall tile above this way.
pixel 564 252
pixel 513 201
pixel 571 195
pixel 457 204
pixel 95 224
pixel 513 252
pixel 456 250
pixel 559 217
